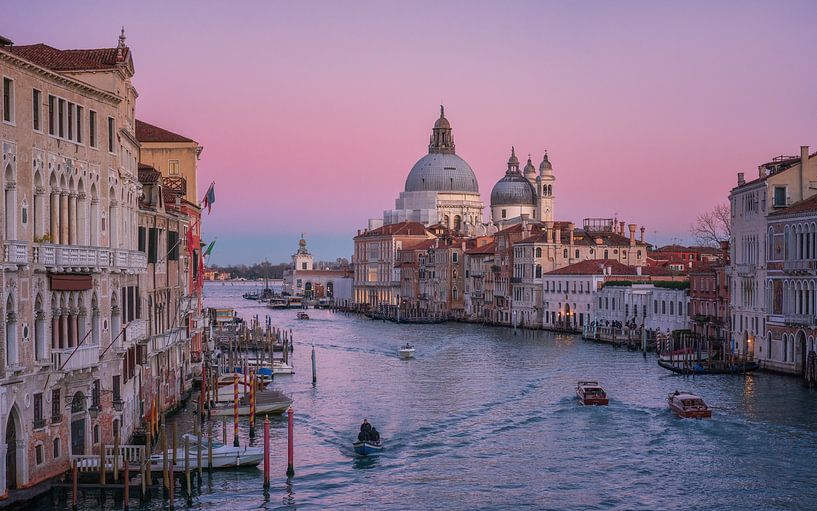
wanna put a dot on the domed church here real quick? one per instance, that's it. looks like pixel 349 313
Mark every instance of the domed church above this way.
pixel 523 193
pixel 440 188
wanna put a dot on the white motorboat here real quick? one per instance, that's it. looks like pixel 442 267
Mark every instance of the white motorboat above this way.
pixel 406 351
pixel 281 367
pixel 224 456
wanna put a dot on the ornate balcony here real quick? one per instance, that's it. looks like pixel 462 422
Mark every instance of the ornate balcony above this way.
pixel 84 357
pixel 78 258
pixel 800 319
pixel 797 266
pixel 136 330
pixel 15 252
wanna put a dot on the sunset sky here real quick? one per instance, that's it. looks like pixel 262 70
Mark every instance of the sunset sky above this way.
pixel 311 114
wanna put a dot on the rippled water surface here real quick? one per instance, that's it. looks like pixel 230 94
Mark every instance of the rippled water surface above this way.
pixel 485 418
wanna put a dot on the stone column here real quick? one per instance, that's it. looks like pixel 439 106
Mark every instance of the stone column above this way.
pixel 64 218
pixel 65 341
pixel 72 219
pixel 55 331
pixel 82 328
pixel 54 213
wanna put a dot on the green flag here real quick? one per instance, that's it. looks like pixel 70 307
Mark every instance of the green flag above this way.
pixel 209 248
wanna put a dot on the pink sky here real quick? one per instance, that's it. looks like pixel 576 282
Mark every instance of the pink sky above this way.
pixel 312 114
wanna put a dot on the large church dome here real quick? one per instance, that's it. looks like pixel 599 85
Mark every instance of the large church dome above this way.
pixel 441 170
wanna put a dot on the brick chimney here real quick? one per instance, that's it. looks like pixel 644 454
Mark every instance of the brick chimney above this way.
pixel 571 226
pixel 642 234
pixel 549 231
pixel 621 228
pixel 632 234
pixel 741 179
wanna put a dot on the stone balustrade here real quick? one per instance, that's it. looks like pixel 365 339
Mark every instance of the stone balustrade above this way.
pixel 75 359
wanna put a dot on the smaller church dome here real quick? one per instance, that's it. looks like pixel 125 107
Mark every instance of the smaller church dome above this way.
pixel 513 189
pixel 529 170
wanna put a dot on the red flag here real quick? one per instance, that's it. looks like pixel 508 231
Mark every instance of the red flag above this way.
pixel 190 241
pixel 200 282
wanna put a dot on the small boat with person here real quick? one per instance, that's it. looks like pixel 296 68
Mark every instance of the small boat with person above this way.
pixel 224 456
pixel 368 440
pixel 302 315
pixel 591 393
pixel 687 405
pixel 406 351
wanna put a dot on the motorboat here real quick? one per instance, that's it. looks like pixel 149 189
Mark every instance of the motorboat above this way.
pixel 281 367
pixel 302 315
pixel 687 405
pixel 591 393
pixel 224 456
pixel 368 447
pixel 406 351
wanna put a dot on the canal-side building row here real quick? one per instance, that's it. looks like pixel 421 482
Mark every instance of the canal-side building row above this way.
pixel 73 268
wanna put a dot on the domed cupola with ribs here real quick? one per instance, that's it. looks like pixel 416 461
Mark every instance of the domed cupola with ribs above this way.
pixel 513 195
pixel 441 187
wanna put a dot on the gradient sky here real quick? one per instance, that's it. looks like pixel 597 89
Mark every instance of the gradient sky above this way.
pixel 311 114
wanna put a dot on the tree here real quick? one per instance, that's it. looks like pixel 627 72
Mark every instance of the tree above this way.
pixel 713 227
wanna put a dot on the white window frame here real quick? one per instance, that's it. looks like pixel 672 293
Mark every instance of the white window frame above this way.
pixel 92 123
pixel 12 101
pixel 170 168
pixel 111 129
pixel 76 124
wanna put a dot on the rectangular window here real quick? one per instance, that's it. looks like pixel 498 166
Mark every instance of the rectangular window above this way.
pixel 142 241
pixel 35 108
pixel 172 246
pixel 61 117
pixel 95 394
pixel 71 113
pixel 8 99
pixel 173 167
pixel 779 196
pixel 52 120
pixel 92 128
pixel 38 454
pixel 117 396
pixel 38 411
pixel 79 124
pixel 153 244
pixel 111 134
pixel 56 412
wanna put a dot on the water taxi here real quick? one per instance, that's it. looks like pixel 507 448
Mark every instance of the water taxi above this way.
pixel 591 393
pixel 302 315
pixel 406 351
pixel 687 405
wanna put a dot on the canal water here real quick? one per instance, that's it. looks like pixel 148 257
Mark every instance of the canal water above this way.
pixel 486 418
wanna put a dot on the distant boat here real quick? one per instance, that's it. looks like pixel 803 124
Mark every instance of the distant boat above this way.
pixel 687 405
pixel 406 351
pixel 368 447
pixel 302 315
pixel 591 393
pixel 224 456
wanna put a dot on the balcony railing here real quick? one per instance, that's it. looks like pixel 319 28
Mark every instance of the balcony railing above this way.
pixel 745 269
pixel 15 252
pixel 84 357
pixel 800 319
pixel 799 265
pixel 85 258
pixel 136 330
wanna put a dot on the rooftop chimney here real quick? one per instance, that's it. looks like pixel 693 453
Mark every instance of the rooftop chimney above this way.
pixel 571 227
pixel 632 234
pixel 741 179
pixel 642 233
pixel 558 233
pixel 621 228
pixel 549 231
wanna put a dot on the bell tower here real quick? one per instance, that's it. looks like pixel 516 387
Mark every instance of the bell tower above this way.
pixel 302 259
pixel 545 184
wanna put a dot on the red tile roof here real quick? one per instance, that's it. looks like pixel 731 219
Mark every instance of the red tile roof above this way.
pixel 483 250
pixel 149 133
pixel 148 174
pixel 596 267
pixel 68 60
pixel 419 244
pixel 401 229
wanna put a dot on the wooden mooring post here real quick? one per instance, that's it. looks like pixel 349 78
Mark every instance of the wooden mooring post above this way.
pixel 74 496
pixel 290 449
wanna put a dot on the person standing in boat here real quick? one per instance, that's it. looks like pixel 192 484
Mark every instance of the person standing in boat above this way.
pixel 374 435
pixel 365 431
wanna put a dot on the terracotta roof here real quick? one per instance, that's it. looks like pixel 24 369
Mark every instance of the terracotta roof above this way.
pixel 148 174
pixel 804 206
pixel 68 60
pixel 149 133
pixel 418 244
pixel 401 229
pixel 483 250
pixel 594 267
pixel 323 273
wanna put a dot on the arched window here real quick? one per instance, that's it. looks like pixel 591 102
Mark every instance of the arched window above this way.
pixel 672 307
pixel 663 307
pixel 577 253
pixel 538 251
pixel 12 354
pixel 39 329
pixel 606 254
pixel 565 254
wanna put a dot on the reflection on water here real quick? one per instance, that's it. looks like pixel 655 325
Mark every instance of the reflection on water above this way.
pixel 487 418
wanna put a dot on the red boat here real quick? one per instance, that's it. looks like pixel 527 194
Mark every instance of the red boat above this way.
pixel 687 405
pixel 591 393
